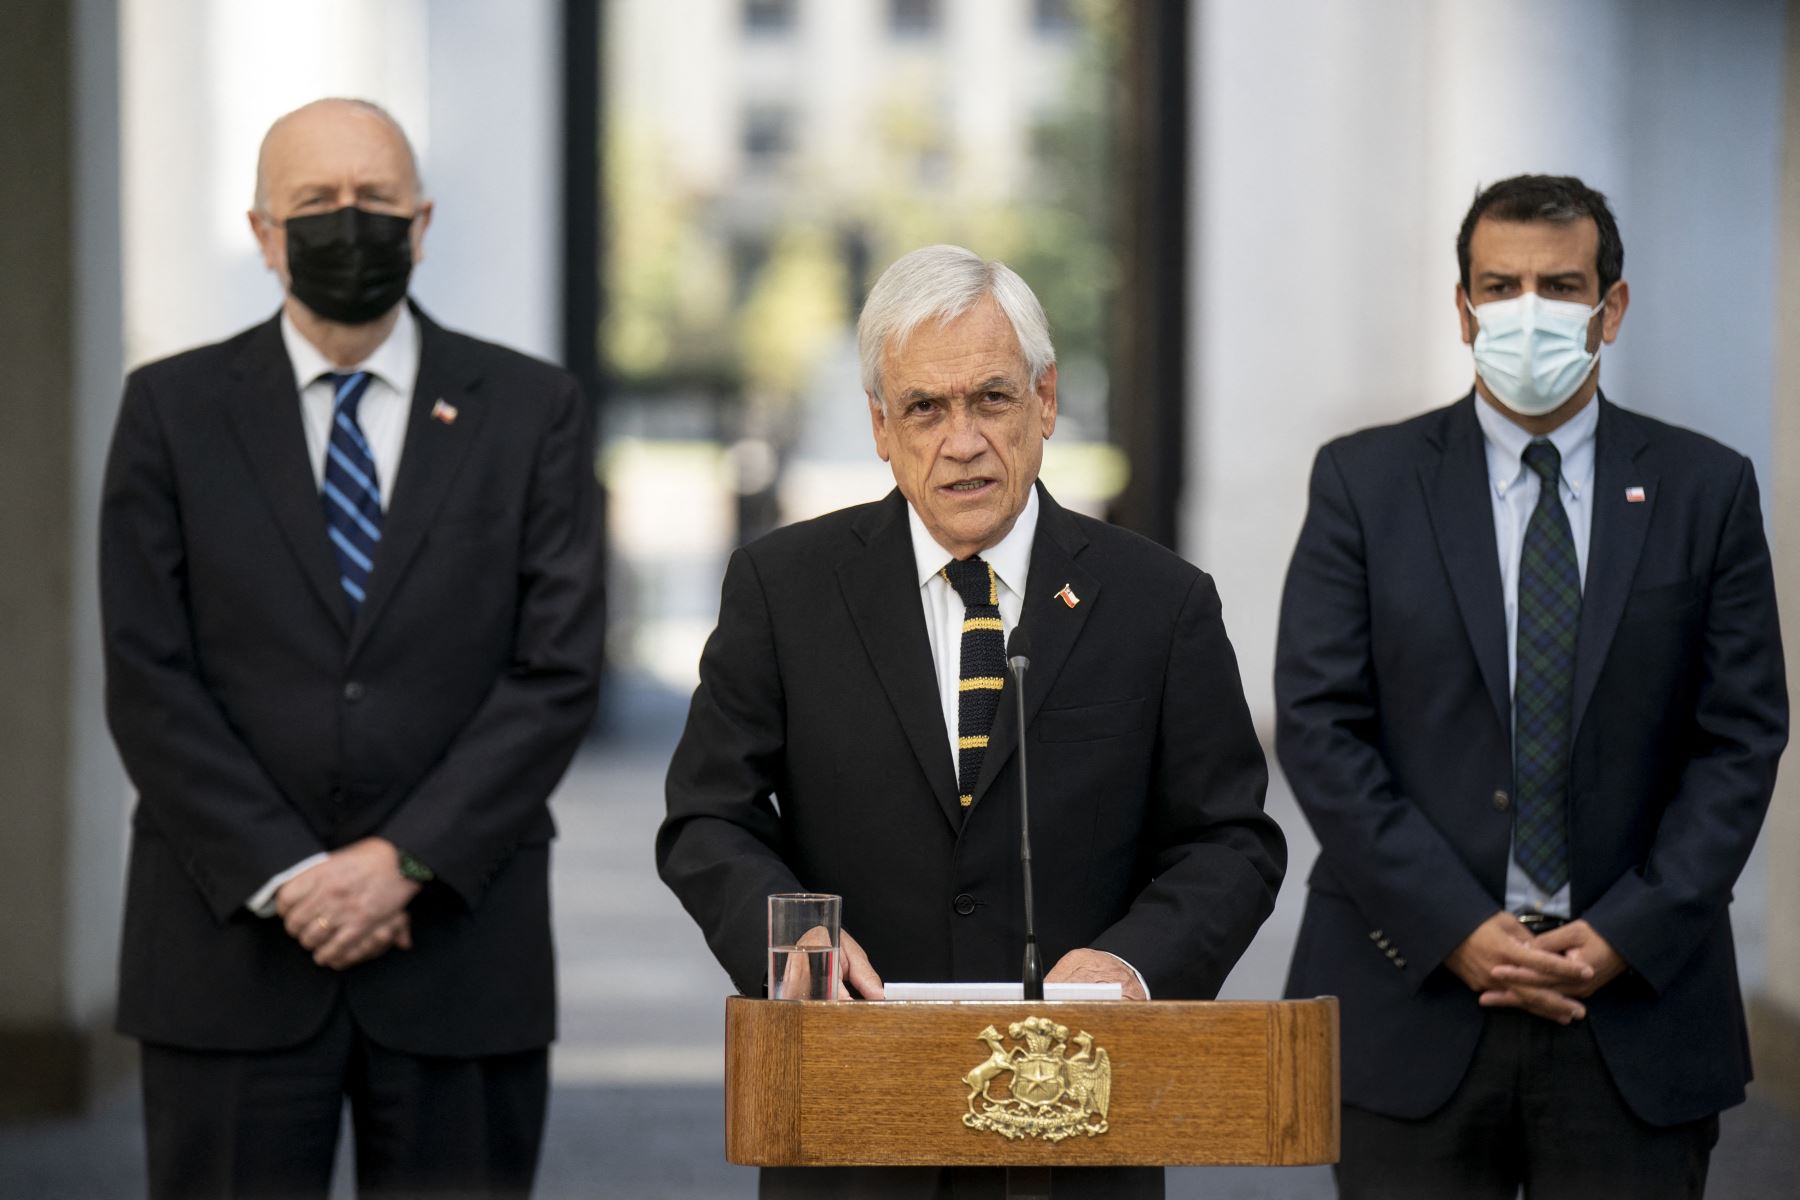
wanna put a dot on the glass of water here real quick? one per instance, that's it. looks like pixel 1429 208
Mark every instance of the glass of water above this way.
pixel 803 945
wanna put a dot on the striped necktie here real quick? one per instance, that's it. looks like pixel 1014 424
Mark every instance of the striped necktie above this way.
pixel 983 667
pixel 352 490
pixel 1544 682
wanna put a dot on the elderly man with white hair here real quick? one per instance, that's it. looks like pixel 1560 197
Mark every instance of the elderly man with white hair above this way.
pixel 854 729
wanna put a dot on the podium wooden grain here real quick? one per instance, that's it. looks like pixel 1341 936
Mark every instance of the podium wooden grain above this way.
pixel 1193 1083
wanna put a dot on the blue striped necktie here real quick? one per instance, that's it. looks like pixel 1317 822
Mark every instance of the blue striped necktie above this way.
pixel 352 491
pixel 1544 686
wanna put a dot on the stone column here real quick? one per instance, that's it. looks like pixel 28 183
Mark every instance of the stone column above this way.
pixel 61 789
pixel 1775 1007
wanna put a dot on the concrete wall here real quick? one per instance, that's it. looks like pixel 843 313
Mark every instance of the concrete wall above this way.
pixel 61 790
pixel 36 299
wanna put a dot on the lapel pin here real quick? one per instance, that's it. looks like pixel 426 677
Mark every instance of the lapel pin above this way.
pixel 1068 596
pixel 1634 495
pixel 444 412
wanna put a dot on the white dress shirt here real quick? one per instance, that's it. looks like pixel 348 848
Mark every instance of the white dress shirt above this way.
pixel 385 407
pixel 1011 560
pixel 1513 488
pixel 383 415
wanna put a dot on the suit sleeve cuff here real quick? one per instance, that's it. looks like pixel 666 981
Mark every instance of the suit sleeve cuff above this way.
pixel 262 903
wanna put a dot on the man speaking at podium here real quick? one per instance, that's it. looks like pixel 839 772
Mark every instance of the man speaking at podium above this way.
pixel 854 729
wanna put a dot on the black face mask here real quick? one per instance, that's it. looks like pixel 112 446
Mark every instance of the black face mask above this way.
pixel 350 265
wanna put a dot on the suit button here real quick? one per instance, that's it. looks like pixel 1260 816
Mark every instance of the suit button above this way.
pixel 964 904
pixel 353 691
pixel 1502 801
pixel 1374 935
pixel 1401 963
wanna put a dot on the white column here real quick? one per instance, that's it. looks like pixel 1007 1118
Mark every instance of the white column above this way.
pixel 1775 1006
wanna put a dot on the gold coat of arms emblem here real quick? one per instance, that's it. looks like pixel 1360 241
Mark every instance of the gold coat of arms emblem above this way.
pixel 1051 1094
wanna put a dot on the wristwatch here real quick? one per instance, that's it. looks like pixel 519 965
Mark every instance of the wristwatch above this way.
pixel 411 868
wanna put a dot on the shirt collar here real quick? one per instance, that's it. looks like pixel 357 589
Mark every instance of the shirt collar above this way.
pixel 1505 443
pixel 1010 557
pixel 395 362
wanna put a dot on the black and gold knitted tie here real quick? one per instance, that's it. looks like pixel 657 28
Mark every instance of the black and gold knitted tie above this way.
pixel 983 667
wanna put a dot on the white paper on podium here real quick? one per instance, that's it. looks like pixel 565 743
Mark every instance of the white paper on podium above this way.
pixel 1001 991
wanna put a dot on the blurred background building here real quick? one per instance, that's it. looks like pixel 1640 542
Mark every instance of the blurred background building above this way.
pixel 761 162
pixel 1239 214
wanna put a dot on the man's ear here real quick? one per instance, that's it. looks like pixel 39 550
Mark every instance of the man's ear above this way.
pixel 1613 315
pixel 878 424
pixel 1465 319
pixel 421 222
pixel 1046 391
pixel 270 239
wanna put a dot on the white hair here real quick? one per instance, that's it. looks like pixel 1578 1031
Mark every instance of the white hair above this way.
pixel 941 283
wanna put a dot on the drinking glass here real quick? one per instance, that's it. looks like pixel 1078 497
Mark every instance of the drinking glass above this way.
pixel 803 945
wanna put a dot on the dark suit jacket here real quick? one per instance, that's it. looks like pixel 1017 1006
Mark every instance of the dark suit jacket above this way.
pixel 261 723
pixel 816 757
pixel 1395 731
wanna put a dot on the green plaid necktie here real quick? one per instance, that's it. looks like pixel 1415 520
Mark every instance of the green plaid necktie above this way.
pixel 983 671
pixel 1544 683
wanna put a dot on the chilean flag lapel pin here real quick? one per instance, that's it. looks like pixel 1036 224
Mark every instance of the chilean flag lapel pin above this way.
pixel 447 413
pixel 1068 596
pixel 1634 495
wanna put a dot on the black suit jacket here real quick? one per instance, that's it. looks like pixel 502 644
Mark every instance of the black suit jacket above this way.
pixel 261 722
pixel 815 757
pixel 1395 731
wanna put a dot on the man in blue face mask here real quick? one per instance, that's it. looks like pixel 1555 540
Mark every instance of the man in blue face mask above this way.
pixel 1531 698
pixel 350 578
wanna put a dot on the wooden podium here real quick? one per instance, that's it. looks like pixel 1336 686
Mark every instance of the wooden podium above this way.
pixel 923 1083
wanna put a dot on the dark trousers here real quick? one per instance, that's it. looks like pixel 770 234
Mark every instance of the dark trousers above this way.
pixel 1538 1110
pixel 265 1124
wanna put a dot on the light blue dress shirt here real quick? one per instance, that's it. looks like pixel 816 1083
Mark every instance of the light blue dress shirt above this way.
pixel 1513 488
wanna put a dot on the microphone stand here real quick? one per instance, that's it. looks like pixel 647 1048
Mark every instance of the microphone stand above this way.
pixel 1033 976
pixel 1026 1183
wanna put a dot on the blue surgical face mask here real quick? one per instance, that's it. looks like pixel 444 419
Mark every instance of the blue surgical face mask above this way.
pixel 1532 353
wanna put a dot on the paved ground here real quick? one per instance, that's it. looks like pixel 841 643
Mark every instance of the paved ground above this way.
pixel 637 1110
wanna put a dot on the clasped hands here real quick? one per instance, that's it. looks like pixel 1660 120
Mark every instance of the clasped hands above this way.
pixel 1548 975
pixel 1077 966
pixel 351 907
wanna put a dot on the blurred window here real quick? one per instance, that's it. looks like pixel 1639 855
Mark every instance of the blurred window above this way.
pixel 768 134
pixel 769 16
pixel 1054 16
pixel 913 18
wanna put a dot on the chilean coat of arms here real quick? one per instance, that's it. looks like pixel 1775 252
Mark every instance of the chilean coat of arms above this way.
pixel 1052 1094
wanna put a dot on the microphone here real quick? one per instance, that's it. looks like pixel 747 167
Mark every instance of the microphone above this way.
pixel 1018 658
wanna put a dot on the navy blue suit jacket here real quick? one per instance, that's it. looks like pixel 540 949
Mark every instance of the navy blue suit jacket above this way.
pixel 1394 727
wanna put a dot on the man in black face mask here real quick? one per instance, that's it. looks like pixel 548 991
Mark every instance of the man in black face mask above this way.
pixel 350 580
